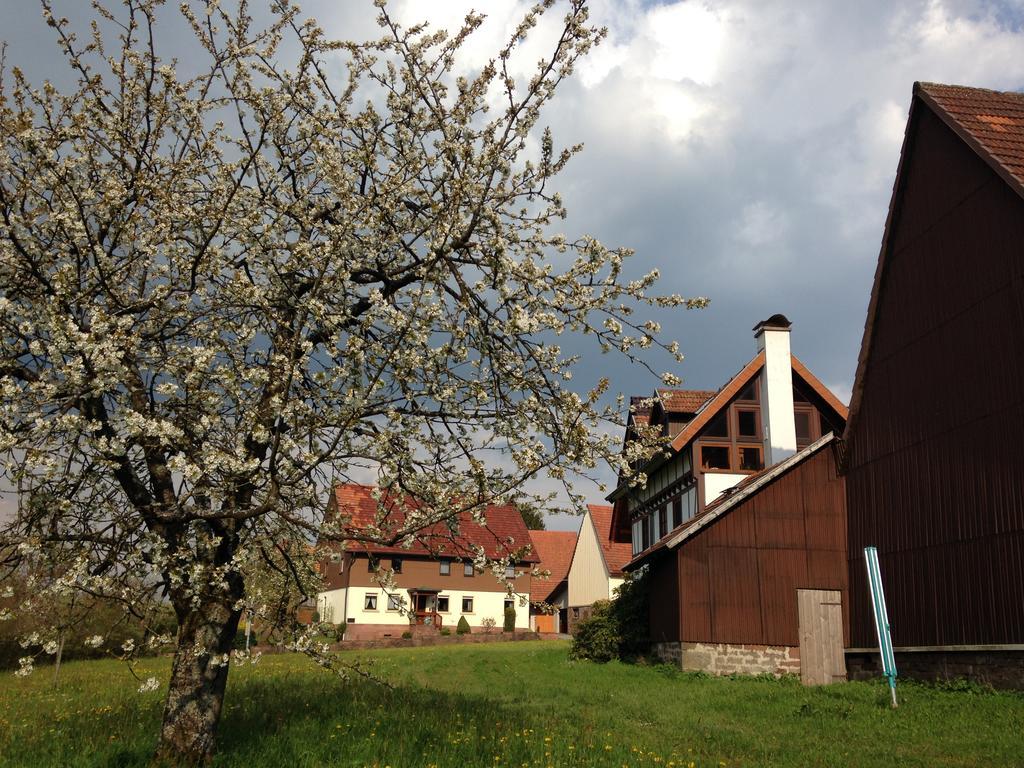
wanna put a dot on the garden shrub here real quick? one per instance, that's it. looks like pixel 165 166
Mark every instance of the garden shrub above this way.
pixel 510 619
pixel 616 629
pixel 407 635
pixel 463 627
pixel 488 624
pixel 445 631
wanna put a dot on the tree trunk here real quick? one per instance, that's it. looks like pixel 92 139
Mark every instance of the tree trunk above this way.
pixel 199 676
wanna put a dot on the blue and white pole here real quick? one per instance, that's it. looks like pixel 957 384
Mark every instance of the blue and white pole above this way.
pixel 881 619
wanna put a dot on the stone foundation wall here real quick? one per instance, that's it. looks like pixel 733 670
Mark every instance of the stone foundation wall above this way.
pixel 998 668
pixel 727 659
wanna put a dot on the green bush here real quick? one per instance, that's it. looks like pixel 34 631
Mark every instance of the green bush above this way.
pixel 616 629
pixel 407 635
pixel 510 619
pixel 445 631
pixel 596 638
pixel 463 627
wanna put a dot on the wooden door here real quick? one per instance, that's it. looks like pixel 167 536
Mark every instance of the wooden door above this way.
pixel 821 636
pixel 545 622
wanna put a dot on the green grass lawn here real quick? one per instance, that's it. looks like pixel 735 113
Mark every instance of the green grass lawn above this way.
pixel 516 704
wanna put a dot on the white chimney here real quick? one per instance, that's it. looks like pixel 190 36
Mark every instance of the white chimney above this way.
pixel 772 337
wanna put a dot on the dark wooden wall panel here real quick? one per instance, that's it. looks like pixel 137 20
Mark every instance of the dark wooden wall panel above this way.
pixel 735 595
pixel 664 582
pixel 694 592
pixel 936 474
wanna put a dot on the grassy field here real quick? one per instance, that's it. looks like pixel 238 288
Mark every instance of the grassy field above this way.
pixel 518 704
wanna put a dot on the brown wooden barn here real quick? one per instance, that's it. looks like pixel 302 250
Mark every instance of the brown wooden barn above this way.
pixel 757 582
pixel 936 430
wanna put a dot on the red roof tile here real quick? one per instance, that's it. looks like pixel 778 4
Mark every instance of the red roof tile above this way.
pixel 993 119
pixel 504 531
pixel 616 553
pixel 685 400
pixel 554 548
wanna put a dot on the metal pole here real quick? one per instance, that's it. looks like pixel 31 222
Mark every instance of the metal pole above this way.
pixel 248 629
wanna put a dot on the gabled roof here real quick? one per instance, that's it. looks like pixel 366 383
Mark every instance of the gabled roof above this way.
pixel 554 548
pixel 730 499
pixel 504 531
pixel 615 553
pixel 735 386
pixel 713 406
pixel 991 123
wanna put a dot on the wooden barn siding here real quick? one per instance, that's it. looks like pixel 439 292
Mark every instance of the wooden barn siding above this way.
pixel 664 606
pixel 936 477
pixel 738 578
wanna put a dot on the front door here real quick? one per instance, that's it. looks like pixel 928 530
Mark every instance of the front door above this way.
pixel 426 603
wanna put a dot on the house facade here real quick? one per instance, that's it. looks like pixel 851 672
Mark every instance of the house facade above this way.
pixel 935 475
pixel 549 598
pixel 719 572
pixel 739 588
pixel 434 581
pixel 596 568
pixel 768 411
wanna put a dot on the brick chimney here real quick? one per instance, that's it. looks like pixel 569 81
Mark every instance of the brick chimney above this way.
pixel 772 336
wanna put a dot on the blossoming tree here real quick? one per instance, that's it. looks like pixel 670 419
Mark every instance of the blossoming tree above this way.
pixel 226 285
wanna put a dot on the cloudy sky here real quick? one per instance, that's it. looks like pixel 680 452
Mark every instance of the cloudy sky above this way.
pixel 746 149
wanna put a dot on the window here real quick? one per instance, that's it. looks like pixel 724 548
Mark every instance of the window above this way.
pixel 575 613
pixel 394 603
pixel 647 532
pixel 749 392
pixel 803 425
pixel 510 571
pixel 371 564
pixel 396 564
pixel 663 520
pixel 750 458
pixel 467 569
pixel 718 426
pixel 467 605
pixel 446 567
pixel 714 457
pixel 746 422
pixel 370 601
pixel 677 512
pixel 442 604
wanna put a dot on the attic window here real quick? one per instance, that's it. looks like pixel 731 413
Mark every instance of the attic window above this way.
pixel 718 426
pixel 803 424
pixel 746 421
pixel 750 458
pixel 714 457
pixel 749 392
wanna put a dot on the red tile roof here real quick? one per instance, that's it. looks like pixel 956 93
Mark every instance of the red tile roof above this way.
pixel 685 400
pixel 616 553
pixel 554 548
pixel 993 119
pixel 504 531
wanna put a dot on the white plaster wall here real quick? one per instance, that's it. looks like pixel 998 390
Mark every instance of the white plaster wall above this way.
pixel 716 482
pixel 588 577
pixel 777 396
pixel 613 583
pixel 484 604
pixel 331 606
